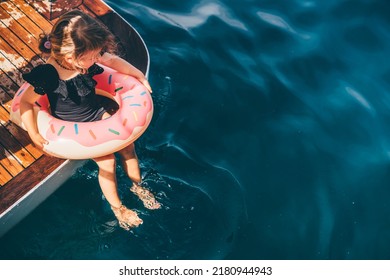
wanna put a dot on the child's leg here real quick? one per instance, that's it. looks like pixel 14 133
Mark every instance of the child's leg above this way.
pixel 107 181
pixel 130 165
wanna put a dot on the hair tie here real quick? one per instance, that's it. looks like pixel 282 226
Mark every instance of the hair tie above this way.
pixel 47 44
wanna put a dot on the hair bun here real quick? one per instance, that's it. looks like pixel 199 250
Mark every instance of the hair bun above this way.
pixel 47 45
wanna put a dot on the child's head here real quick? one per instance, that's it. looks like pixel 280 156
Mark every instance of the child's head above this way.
pixel 77 39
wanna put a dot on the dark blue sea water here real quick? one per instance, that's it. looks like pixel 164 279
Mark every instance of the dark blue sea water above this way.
pixel 270 139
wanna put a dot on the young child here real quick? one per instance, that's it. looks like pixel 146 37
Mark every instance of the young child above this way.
pixel 76 43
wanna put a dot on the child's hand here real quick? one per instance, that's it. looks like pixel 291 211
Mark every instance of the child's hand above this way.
pixel 145 82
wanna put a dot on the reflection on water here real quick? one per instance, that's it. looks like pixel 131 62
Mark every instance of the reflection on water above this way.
pixel 269 140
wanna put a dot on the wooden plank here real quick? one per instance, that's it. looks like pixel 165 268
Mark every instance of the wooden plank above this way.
pixel 9 162
pixel 17 44
pixel 4 95
pixel 11 78
pixel 86 11
pixel 16 188
pixel 35 17
pixel 43 7
pixel 22 137
pixel 14 148
pixel 10 59
pixel 10 15
pixel 98 7
pixel 4 115
pixel 22 33
pixel 7 84
pixel 19 134
pixel 51 10
pixel 7 105
pixel 10 86
pixel 4 176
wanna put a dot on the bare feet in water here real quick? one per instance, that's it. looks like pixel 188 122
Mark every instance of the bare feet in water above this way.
pixel 127 218
pixel 146 197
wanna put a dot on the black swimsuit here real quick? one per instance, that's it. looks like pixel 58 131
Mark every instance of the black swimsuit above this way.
pixel 70 100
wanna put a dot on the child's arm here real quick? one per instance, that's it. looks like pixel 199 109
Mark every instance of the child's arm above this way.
pixel 121 65
pixel 27 114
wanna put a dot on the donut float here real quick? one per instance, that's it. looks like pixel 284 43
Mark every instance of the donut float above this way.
pixel 84 140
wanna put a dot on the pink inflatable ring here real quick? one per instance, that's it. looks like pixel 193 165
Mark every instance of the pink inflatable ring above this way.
pixel 84 140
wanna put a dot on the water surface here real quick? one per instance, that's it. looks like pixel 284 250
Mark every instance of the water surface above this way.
pixel 270 139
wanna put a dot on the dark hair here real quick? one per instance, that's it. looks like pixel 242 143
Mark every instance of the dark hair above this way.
pixel 76 33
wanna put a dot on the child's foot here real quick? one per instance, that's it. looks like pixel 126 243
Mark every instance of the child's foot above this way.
pixel 127 218
pixel 146 197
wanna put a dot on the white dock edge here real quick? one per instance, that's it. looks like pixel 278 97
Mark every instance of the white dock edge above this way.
pixel 37 195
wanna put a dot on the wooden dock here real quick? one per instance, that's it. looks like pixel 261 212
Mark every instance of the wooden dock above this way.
pixel 22 166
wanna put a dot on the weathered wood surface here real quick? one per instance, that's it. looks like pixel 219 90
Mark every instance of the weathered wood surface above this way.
pixel 19 30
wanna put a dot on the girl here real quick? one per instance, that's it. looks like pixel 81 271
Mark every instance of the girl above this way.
pixel 76 43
